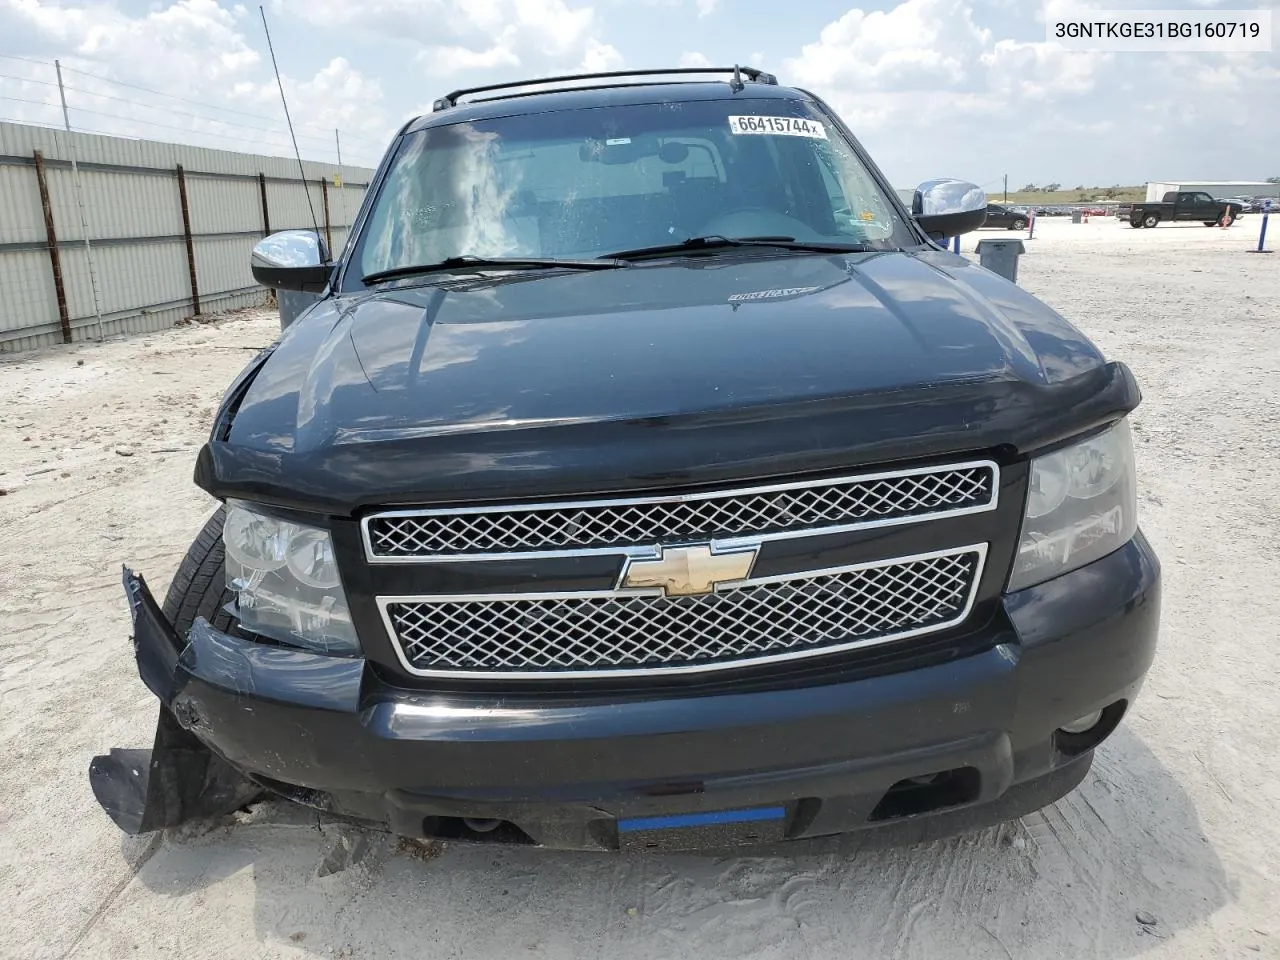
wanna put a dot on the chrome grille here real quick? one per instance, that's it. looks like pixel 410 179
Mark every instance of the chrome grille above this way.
pixel 616 633
pixel 778 510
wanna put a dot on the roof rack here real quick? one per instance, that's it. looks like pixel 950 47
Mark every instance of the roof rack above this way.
pixel 758 76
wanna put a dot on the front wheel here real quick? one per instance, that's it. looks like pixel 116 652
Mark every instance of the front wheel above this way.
pixel 1019 224
pixel 199 588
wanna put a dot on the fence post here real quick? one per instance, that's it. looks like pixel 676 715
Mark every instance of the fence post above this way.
pixel 328 229
pixel 186 232
pixel 266 214
pixel 55 260
pixel 1262 234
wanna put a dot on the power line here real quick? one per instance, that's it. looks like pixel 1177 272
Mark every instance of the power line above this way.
pixel 10 56
pixel 38 123
pixel 194 103
pixel 281 140
pixel 184 113
pixel 167 110
pixel 43 83
pixel 97 131
pixel 369 141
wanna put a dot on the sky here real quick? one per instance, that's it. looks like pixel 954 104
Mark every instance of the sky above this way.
pixel 956 88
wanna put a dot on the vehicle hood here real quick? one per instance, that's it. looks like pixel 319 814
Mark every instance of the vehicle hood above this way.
pixel 664 372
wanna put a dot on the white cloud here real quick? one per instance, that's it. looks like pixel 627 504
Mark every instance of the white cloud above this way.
pixel 707 7
pixel 198 51
pixel 446 60
pixel 600 57
pixel 162 39
pixel 932 89
pixel 956 87
pixel 474 35
pixel 337 97
pixel 1040 71
pixel 920 44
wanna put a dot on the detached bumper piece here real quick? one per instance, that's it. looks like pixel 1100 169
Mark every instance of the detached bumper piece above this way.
pixel 179 778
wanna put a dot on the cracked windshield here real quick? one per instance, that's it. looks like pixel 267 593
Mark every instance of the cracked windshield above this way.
pixel 586 183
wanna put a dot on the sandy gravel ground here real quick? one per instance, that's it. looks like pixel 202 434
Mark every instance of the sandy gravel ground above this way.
pixel 1177 823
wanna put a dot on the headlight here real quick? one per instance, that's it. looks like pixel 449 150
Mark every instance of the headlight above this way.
pixel 1082 504
pixel 286 580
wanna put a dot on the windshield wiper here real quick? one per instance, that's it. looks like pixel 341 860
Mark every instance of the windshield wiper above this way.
pixel 467 262
pixel 715 242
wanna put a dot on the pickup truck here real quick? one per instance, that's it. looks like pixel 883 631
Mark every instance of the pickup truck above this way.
pixel 648 476
pixel 1185 205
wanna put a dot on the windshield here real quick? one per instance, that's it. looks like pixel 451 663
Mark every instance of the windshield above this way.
pixel 585 183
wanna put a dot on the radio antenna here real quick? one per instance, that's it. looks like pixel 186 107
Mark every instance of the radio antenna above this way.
pixel 302 175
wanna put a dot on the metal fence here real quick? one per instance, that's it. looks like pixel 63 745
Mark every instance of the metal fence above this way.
pixel 170 230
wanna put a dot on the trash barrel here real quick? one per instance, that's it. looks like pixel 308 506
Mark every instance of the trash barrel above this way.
pixel 1001 256
pixel 1075 216
pixel 292 303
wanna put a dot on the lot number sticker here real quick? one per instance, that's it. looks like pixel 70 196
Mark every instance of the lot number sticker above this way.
pixel 781 126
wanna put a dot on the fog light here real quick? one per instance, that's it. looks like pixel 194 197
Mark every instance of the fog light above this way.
pixel 1083 724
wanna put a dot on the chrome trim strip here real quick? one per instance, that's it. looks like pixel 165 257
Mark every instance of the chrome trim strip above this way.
pixel 384 603
pixel 650 551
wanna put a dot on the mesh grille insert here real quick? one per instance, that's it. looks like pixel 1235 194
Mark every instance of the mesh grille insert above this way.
pixel 612 632
pixel 848 501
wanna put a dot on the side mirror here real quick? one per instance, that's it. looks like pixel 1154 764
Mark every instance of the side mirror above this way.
pixel 292 260
pixel 948 208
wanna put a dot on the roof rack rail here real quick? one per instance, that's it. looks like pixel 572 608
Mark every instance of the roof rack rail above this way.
pixel 759 76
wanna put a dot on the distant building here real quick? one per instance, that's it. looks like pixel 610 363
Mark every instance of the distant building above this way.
pixel 1215 188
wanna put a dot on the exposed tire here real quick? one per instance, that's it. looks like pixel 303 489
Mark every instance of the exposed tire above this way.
pixel 1136 224
pixel 199 587
pixel 1151 220
pixel 1019 224
pixel 1210 223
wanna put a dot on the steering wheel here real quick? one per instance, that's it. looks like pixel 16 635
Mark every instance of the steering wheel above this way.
pixel 757 222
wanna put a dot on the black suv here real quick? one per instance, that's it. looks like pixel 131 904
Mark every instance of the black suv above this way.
pixel 1005 218
pixel 646 476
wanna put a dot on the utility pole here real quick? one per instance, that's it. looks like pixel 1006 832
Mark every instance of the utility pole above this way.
pixel 84 220
pixel 1006 188
pixel 342 183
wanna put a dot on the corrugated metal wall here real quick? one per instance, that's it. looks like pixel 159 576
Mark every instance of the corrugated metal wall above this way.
pixel 132 205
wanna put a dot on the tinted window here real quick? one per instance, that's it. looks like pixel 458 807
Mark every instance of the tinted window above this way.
pixel 588 182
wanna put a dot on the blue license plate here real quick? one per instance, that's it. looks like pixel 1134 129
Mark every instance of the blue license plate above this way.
pixel 714 829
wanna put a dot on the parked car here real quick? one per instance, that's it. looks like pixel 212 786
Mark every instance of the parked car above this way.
pixel 1246 206
pixel 1006 218
pixel 647 476
pixel 1185 205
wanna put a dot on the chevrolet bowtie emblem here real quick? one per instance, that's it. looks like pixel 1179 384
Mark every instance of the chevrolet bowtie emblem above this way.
pixel 688 571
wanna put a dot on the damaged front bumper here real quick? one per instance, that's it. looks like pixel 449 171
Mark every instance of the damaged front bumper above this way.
pixel 179 778
pixel 981 733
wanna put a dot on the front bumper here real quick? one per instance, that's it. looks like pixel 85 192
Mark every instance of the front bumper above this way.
pixel 974 739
